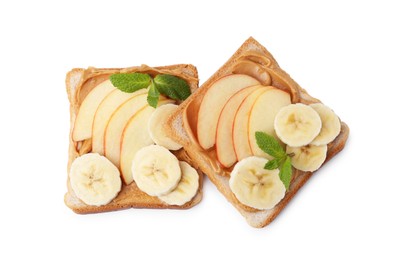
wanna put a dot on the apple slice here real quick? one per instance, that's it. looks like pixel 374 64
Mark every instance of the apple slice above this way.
pixel 134 137
pixel 262 116
pixel 83 122
pixel 104 112
pixel 213 102
pixel 224 139
pixel 117 123
pixel 241 123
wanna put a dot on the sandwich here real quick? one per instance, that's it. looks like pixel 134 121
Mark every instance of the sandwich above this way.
pixel 256 134
pixel 119 155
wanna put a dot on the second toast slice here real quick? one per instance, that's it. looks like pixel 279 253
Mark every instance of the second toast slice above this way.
pixel 256 67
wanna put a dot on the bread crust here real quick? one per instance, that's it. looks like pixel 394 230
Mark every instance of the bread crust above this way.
pixel 183 134
pixel 129 196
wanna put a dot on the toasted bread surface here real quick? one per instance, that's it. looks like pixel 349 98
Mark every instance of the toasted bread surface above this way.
pixel 181 127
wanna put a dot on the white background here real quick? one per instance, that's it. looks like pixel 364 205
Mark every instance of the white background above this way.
pixel 353 55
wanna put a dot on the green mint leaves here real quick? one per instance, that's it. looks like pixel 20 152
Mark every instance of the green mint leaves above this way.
pixel 270 145
pixel 130 82
pixel 168 85
pixel 172 86
pixel 281 160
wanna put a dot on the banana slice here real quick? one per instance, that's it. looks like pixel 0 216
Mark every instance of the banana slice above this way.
pixel 155 170
pixel 331 126
pixel 255 186
pixel 297 124
pixel 186 189
pixel 94 179
pixel 156 130
pixel 308 158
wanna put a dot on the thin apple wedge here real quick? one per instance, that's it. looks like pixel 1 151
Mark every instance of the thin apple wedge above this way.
pixel 83 122
pixel 262 117
pixel 213 102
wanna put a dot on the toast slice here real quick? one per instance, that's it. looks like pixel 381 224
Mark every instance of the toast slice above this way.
pixel 181 127
pixel 79 82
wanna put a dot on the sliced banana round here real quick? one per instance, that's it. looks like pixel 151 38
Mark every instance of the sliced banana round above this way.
pixel 94 179
pixel 156 127
pixel 331 126
pixel 255 186
pixel 307 158
pixel 186 189
pixel 297 124
pixel 155 170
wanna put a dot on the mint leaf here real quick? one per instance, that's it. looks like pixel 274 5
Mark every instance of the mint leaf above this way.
pixel 153 95
pixel 130 82
pixel 172 86
pixel 281 160
pixel 286 172
pixel 270 145
pixel 272 164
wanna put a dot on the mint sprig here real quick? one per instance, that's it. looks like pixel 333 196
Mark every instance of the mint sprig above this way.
pixel 281 160
pixel 168 85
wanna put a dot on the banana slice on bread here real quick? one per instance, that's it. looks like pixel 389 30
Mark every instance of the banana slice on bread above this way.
pixel 186 189
pixel 297 124
pixel 158 172
pixel 255 186
pixel 331 125
pixel 156 124
pixel 94 179
pixel 155 170
pixel 307 158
